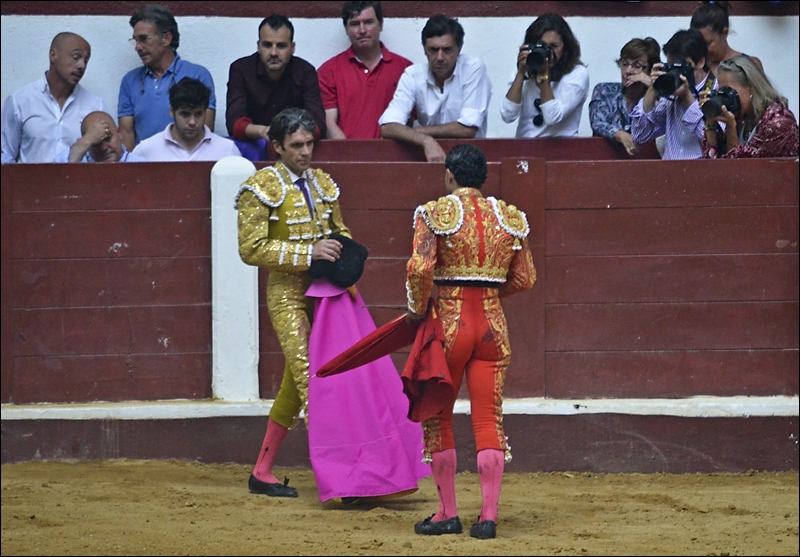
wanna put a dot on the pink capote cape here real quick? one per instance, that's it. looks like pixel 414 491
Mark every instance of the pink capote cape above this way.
pixel 360 440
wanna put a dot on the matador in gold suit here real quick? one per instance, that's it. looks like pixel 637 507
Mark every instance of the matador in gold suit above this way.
pixel 282 228
pixel 474 249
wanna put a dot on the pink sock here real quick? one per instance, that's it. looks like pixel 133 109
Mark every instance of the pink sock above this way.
pixel 444 474
pixel 490 471
pixel 275 435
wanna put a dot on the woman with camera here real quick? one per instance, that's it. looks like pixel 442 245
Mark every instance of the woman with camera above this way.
pixel 611 104
pixel 757 119
pixel 550 84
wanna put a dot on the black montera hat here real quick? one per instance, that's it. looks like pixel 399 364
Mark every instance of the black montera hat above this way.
pixel 346 271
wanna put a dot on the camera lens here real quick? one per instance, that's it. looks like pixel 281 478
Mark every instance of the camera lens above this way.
pixel 711 108
pixel 666 84
pixel 538 57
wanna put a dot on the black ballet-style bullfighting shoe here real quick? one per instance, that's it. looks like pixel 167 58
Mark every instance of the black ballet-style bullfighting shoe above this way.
pixel 483 529
pixel 430 528
pixel 273 490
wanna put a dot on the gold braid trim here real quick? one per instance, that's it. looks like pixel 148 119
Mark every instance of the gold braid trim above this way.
pixel 443 216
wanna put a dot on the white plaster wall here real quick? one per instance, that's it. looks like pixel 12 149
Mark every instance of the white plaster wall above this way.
pixel 216 42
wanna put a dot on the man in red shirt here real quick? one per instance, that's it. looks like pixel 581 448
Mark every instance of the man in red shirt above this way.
pixel 358 84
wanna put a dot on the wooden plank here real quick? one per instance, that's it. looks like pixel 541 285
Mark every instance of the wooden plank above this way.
pixel 48 283
pixel 691 230
pixel 394 186
pixel 113 330
pixel 524 186
pixel 86 187
pixel 672 374
pixel 110 234
pixel 496 149
pixel 672 326
pixel 695 183
pixel 9 292
pixel 112 378
pixel 678 278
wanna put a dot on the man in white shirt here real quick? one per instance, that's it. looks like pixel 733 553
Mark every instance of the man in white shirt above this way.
pixel 187 138
pixel 449 95
pixel 44 118
pixel 101 142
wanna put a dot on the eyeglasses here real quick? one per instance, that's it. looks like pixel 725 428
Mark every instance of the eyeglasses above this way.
pixel 538 120
pixel 142 39
pixel 625 64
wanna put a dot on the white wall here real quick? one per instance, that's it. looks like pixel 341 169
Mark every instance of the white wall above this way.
pixel 216 42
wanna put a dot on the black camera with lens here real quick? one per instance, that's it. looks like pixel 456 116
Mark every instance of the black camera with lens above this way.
pixel 668 83
pixel 539 56
pixel 725 96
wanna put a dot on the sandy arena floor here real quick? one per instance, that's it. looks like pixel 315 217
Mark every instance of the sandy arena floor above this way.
pixel 127 507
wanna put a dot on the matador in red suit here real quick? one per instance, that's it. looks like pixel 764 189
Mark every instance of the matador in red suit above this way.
pixel 474 249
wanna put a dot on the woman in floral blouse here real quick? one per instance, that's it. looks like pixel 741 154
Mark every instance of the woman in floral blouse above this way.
pixel 611 104
pixel 762 127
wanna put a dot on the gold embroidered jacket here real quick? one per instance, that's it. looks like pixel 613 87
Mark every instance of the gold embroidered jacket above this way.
pixel 466 237
pixel 277 230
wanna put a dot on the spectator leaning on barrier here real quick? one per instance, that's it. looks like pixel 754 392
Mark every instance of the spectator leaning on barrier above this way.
pixel 187 138
pixel 550 83
pixel 44 118
pixel 143 108
pixel 670 106
pixel 358 84
pixel 100 142
pixel 272 79
pixel 448 96
pixel 611 104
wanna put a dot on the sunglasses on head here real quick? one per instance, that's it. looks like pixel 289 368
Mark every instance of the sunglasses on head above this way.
pixel 538 120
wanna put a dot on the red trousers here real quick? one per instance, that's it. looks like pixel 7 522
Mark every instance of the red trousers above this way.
pixel 476 345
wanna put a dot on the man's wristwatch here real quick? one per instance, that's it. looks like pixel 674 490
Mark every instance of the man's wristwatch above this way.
pixel 542 78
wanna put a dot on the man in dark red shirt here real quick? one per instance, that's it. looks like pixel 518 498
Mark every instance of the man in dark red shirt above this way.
pixel 263 84
pixel 358 84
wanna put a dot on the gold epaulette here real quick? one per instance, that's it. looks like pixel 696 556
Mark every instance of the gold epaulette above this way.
pixel 325 185
pixel 443 216
pixel 266 186
pixel 511 219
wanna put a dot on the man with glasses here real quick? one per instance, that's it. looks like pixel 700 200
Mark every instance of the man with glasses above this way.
pixel 449 95
pixel 676 114
pixel 143 109
pixel 44 118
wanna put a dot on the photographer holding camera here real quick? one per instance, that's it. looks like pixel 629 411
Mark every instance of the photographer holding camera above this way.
pixel 758 122
pixel 670 106
pixel 550 83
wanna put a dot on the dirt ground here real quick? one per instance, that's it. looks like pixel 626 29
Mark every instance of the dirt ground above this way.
pixel 131 507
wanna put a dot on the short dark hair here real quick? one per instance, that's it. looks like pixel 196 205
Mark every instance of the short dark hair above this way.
pixel 275 22
pixel 288 121
pixel 687 43
pixel 189 93
pixel 352 9
pixel 440 25
pixel 468 165
pixel 571 56
pixel 163 20
pixel 713 15
pixel 634 48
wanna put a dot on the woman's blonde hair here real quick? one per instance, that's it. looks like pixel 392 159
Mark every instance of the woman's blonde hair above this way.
pixel 747 73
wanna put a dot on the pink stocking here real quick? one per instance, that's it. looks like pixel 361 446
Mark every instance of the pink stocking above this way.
pixel 275 435
pixel 490 471
pixel 444 474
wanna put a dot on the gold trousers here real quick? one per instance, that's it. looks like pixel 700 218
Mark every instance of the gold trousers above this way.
pixel 291 313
